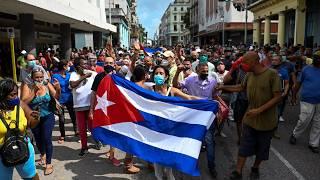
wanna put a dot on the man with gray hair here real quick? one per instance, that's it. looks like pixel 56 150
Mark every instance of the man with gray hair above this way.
pixel 32 63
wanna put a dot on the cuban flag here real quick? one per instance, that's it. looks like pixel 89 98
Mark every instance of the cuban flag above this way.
pixel 159 129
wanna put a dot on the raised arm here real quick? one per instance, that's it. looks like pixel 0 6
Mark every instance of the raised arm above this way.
pixel 27 94
pixel 74 84
pixel 177 92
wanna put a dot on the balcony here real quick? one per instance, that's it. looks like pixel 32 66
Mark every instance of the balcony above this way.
pixel 116 12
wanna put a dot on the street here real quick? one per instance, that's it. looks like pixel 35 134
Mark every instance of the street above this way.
pixel 287 162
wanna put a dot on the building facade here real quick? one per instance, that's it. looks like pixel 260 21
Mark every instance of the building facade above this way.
pixel 40 24
pixel 297 21
pixel 135 27
pixel 120 11
pixel 194 22
pixel 217 18
pixel 172 26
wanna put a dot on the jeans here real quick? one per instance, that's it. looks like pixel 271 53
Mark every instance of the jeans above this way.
pixel 282 105
pixel 43 136
pixel 26 170
pixel 83 123
pixel 210 142
pixel 72 114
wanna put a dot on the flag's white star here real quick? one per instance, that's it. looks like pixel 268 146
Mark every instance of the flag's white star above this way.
pixel 103 103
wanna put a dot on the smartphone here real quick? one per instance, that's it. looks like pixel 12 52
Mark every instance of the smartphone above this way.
pixel 38 110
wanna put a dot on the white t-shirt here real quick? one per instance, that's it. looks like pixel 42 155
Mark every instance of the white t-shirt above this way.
pixel 221 76
pixel 82 93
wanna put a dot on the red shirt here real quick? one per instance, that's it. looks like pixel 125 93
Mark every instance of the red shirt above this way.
pixel 97 69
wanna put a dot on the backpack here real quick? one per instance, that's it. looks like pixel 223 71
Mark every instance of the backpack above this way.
pixel 14 150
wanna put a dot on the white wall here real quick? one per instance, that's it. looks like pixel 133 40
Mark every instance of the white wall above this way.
pixel 91 11
pixel 83 40
pixel 230 15
pixel 123 4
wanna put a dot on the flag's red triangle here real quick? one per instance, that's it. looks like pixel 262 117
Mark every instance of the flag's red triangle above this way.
pixel 121 111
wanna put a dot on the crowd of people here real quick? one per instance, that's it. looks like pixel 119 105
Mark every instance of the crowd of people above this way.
pixel 253 84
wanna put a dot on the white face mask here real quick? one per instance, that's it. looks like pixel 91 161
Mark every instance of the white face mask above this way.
pixel 164 63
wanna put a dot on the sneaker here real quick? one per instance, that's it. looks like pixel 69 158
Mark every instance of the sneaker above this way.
pixel 254 175
pixel 203 148
pixel 293 140
pixel 213 172
pixel 281 119
pixel 314 149
pixel 131 169
pixel 88 133
pixel 98 145
pixel 235 176
pixel 83 152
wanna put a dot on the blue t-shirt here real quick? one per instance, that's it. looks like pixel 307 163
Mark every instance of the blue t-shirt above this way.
pixel 284 76
pixel 66 93
pixel 310 84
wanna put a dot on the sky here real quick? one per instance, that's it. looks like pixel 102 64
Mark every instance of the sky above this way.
pixel 150 13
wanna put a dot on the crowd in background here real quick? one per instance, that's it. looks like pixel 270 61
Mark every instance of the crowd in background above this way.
pixel 190 72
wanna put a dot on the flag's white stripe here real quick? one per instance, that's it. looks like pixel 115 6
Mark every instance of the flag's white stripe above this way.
pixel 168 111
pixel 182 145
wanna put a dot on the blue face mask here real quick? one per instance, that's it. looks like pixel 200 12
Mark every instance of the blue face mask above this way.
pixel 13 102
pixel 31 64
pixel 159 79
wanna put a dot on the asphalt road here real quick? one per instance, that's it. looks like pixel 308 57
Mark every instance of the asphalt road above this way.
pixel 287 162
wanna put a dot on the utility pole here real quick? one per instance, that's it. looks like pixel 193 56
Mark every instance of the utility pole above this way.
pixel 110 20
pixel 221 9
pixel 246 22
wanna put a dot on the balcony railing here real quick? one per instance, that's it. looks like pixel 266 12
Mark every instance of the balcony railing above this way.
pixel 116 12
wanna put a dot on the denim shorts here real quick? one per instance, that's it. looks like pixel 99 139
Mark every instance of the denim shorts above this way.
pixel 254 142
pixel 26 170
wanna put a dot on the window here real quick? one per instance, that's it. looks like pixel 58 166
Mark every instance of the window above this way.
pixel 181 26
pixel 181 8
pixel 182 17
pixel 175 18
pixel 117 5
pixel 175 28
pixel 174 9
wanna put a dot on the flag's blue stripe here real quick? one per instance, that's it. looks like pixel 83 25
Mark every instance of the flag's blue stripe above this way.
pixel 146 152
pixel 179 129
pixel 204 105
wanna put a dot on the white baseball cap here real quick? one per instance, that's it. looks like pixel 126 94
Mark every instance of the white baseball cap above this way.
pixel 23 52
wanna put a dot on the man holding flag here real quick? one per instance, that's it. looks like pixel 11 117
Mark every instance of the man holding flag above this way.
pixel 109 70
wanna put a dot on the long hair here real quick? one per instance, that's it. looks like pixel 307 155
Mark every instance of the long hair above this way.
pixel 166 71
pixel 6 87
